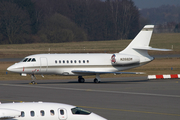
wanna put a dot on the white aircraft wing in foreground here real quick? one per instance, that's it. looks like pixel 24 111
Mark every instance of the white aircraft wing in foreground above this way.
pixel 134 55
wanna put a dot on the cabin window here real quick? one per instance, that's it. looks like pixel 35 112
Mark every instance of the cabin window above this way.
pixel 25 59
pixel 83 61
pixel 52 112
pixel 74 61
pixel 22 114
pixel 62 112
pixel 79 61
pixel 32 113
pixel 67 61
pixel 63 61
pixel 71 61
pixel 81 111
pixel 42 113
pixel 29 60
pixel 87 61
pixel 55 61
pixel 59 61
pixel 33 60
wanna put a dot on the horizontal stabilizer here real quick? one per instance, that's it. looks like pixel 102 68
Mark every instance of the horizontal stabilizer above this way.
pixel 150 48
pixel 99 72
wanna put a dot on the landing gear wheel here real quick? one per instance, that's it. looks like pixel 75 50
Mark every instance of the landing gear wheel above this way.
pixel 81 80
pixel 96 80
pixel 33 83
pixel 33 79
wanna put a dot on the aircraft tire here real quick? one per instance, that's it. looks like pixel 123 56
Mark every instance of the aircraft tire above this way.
pixel 96 80
pixel 81 80
pixel 33 82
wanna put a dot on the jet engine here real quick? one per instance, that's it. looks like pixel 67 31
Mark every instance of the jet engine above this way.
pixel 123 59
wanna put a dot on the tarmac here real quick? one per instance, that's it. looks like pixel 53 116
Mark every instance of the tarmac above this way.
pixel 127 98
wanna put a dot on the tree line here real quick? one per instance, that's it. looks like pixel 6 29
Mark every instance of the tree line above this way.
pixel 166 18
pixel 162 14
pixel 52 21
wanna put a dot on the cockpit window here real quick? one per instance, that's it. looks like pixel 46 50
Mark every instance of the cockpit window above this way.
pixel 24 60
pixel 81 111
pixel 29 60
pixel 33 60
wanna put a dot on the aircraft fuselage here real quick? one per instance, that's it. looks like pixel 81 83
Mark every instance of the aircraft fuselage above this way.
pixel 64 64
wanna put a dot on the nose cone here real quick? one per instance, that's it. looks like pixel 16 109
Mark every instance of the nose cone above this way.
pixel 12 68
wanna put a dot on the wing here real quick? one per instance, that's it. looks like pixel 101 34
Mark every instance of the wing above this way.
pixel 9 113
pixel 99 72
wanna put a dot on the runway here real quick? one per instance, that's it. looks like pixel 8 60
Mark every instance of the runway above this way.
pixel 127 98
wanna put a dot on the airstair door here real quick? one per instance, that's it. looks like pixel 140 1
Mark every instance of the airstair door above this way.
pixel 43 65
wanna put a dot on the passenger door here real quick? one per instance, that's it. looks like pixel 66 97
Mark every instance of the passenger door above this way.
pixel 62 113
pixel 43 64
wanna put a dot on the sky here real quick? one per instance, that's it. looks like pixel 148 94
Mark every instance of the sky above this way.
pixel 154 3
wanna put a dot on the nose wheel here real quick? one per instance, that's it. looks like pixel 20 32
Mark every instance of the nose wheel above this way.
pixel 33 83
pixel 33 79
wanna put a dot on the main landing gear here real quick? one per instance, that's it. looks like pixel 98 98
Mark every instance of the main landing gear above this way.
pixel 96 80
pixel 81 79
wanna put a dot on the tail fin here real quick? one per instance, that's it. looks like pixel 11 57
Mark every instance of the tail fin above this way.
pixel 140 44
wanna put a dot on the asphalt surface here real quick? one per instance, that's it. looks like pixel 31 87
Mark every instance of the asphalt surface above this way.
pixel 127 98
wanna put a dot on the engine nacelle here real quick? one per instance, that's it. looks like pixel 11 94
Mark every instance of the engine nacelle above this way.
pixel 123 59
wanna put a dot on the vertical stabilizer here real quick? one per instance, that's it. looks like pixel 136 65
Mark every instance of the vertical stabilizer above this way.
pixel 142 40
pixel 140 44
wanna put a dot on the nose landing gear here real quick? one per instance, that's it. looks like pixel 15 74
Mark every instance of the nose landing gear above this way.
pixel 33 79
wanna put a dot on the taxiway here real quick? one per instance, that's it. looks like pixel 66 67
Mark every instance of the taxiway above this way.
pixel 127 98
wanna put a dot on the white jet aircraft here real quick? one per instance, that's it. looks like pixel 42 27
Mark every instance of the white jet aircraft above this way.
pixel 44 111
pixel 134 55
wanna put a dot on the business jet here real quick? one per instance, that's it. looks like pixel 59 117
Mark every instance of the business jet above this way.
pixel 45 111
pixel 134 55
